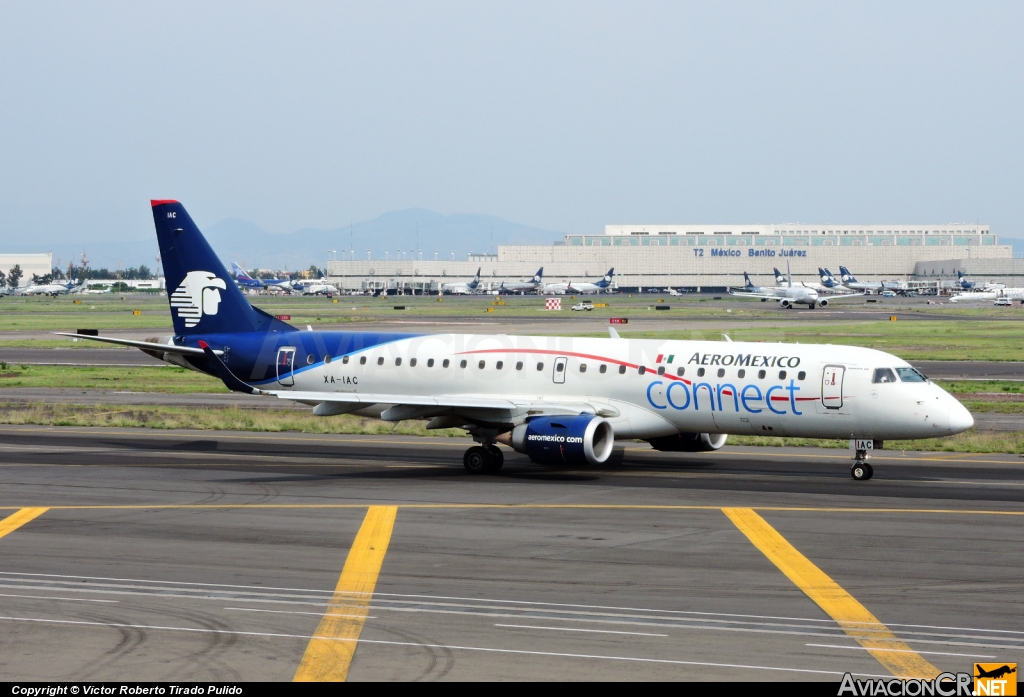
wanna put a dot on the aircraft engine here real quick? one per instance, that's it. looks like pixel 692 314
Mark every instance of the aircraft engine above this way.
pixel 785 303
pixel 689 442
pixel 823 302
pixel 570 440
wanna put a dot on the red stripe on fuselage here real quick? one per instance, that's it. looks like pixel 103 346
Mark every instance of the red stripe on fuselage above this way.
pixel 594 357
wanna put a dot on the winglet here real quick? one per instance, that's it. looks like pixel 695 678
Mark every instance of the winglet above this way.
pixel 229 379
pixel 613 334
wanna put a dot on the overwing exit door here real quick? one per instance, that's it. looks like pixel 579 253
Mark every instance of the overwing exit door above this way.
pixel 832 386
pixel 285 364
pixel 559 371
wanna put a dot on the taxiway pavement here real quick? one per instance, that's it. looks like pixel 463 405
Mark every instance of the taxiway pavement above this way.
pixel 148 555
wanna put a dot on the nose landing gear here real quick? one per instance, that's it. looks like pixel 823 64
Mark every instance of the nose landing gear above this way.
pixel 483 459
pixel 861 470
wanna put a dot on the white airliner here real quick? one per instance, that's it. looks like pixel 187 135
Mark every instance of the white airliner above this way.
pixel 787 296
pixel 581 287
pixel 467 288
pixel 530 286
pixel 560 400
pixel 53 289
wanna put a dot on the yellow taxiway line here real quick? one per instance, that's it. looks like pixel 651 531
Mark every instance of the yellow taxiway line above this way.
pixel 16 520
pixel 854 619
pixel 330 651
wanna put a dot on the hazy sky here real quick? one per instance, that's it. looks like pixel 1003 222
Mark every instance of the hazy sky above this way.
pixel 559 115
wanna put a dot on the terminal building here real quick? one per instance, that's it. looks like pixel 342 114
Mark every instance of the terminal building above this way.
pixel 711 257
pixel 37 264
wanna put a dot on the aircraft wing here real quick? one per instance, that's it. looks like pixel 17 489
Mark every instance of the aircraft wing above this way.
pixel 746 294
pixel 145 345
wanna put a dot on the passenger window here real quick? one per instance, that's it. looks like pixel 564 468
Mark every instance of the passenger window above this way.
pixel 310 359
pixel 622 370
pixel 344 360
pixel 481 364
pixel 883 375
pixel 782 375
pixel 540 366
pixel 741 373
pixel 661 370
pixel 681 372
pixel 642 369
pixel 327 359
pixel 559 367
pixel 700 372
pixel 721 372
pixel 412 362
pixel 910 375
pixel 499 365
pixel 519 365
pixel 603 368
pixel 445 363
pixel 801 375
pixel 583 367
pixel 462 363
pixel 760 375
pixel 380 361
pixel 398 361
pixel 362 360
pixel 430 362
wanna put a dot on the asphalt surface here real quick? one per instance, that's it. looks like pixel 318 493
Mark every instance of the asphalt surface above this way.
pixel 212 556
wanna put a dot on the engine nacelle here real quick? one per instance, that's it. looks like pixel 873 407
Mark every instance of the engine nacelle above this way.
pixel 689 442
pixel 569 440
pixel 785 303
pixel 823 302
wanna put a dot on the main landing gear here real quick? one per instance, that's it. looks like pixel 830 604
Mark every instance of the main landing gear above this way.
pixel 483 459
pixel 861 470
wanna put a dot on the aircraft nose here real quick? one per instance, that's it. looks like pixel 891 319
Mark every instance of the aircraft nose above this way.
pixel 959 418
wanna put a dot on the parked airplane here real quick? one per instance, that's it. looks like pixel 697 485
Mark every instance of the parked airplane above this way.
pixel 975 296
pixel 787 296
pixel 317 287
pixel 560 400
pixel 530 286
pixel 243 279
pixel 467 288
pixel 53 289
pixel 963 282
pixel 605 284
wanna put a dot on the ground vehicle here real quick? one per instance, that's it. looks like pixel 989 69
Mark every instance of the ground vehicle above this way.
pixel 888 294
pixel 584 306
pixel 1003 302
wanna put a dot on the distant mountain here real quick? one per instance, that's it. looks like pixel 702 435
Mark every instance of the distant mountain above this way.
pixel 246 243
pixel 251 246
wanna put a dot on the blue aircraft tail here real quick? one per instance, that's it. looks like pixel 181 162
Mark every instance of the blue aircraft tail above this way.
pixel 539 275
pixel 607 280
pixel 845 274
pixel 778 275
pixel 746 279
pixel 204 298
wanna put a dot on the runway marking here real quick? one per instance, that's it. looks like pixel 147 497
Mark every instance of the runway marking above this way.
pixel 930 653
pixel 573 629
pixel 327 659
pixel 855 619
pixel 297 612
pixel 521 652
pixel 16 520
pixel 50 597
pixel 513 506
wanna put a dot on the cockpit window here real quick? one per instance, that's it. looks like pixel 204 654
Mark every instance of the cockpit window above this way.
pixel 910 375
pixel 884 375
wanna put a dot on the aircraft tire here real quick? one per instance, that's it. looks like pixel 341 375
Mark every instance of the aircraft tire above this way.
pixel 497 458
pixel 477 460
pixel 861 471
